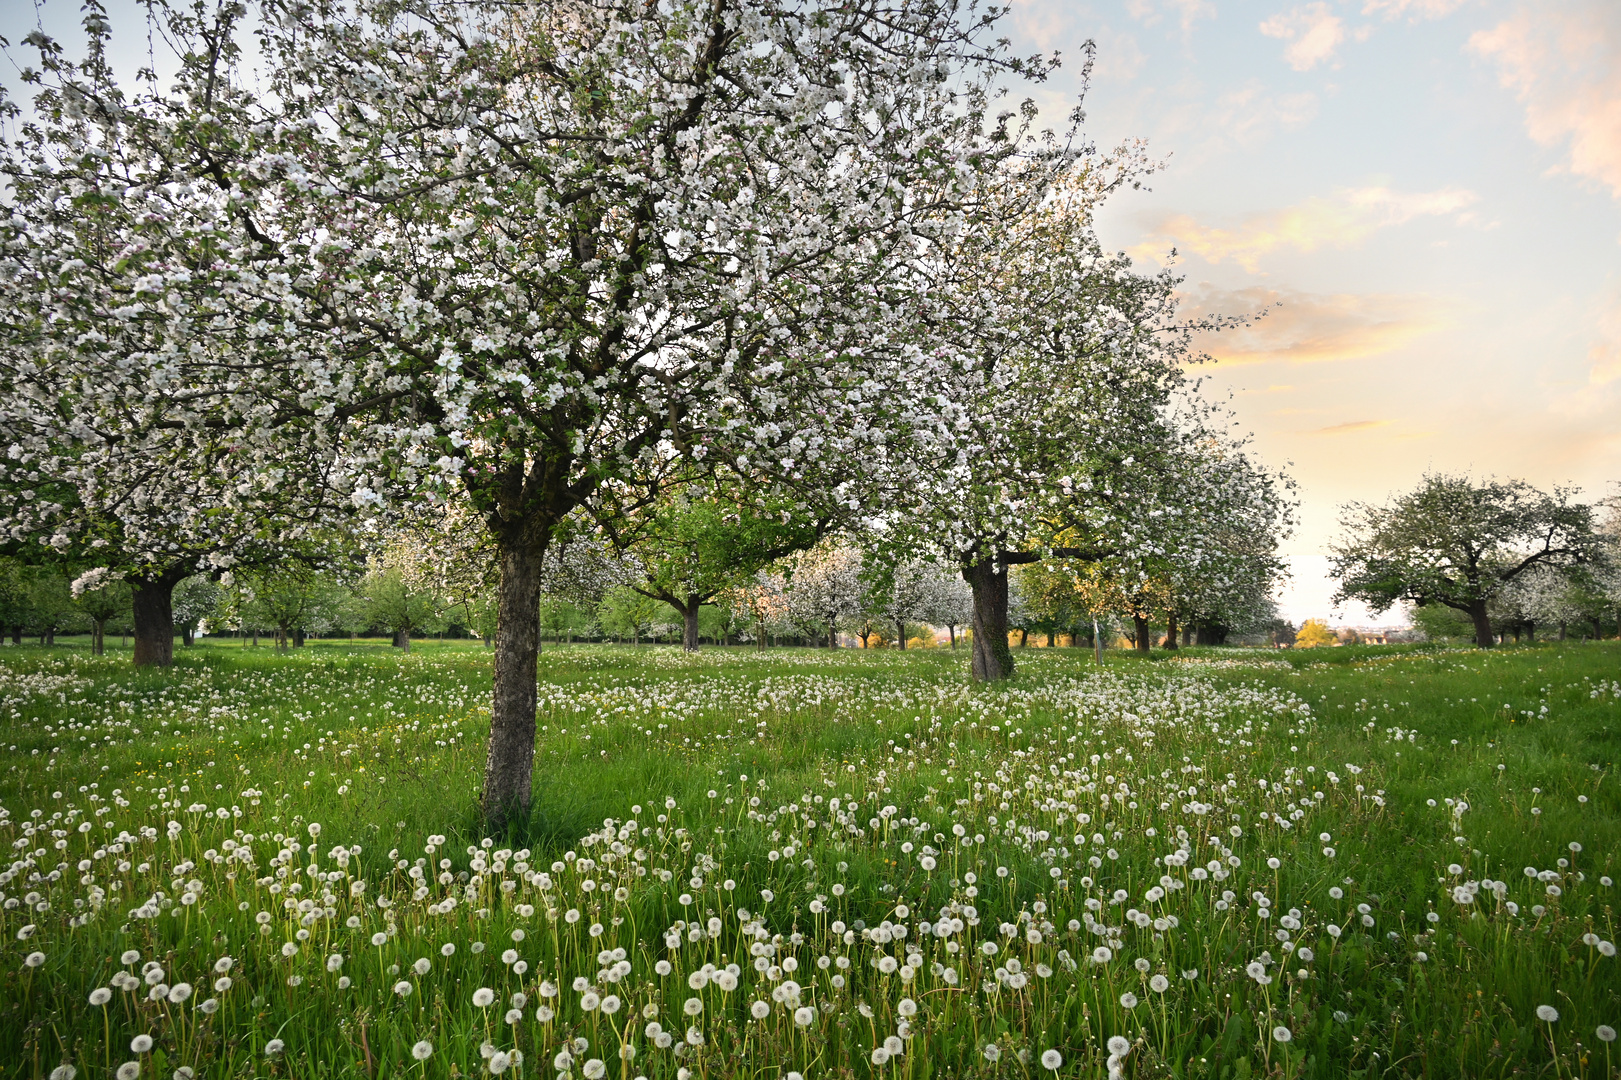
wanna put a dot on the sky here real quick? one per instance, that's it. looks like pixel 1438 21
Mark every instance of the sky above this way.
pixel 1422 196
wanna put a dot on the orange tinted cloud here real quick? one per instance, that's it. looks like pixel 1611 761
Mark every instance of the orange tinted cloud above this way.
pixel 1563 61
pixel 1342 220
pixel 1354 425
pixel 1302 328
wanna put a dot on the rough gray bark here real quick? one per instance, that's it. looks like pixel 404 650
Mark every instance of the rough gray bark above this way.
pixel 153 608
pixel 509 766
pixel 1483 624
pixel 689 624
pixel 993 660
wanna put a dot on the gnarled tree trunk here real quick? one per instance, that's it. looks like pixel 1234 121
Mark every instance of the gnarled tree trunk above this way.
pixel 1170 630
pixel 993 660
pixel 509 766
pixel 153 608
pixel 1483 624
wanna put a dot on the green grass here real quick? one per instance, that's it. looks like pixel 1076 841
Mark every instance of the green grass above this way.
pixel 685 833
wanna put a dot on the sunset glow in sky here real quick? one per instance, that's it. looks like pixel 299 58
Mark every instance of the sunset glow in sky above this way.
pixel 1431 189
pixel 1425 196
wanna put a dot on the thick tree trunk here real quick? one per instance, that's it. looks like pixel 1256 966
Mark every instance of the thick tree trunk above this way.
pixel 759 634
pixel 188 636
pixel 689 624
pixel 98 637
pixel 1531 631
pixel 509 768
pixel 1170 630
pixel 900 633
pixel 1483 624
pixel 1598 629
pixel 402 638
pixel 951 631
pixel 1563 631
pixel 1187 634
pixel 153 604
pixel 50 636
pixel 993 660
pixel 298 638
pixel 16 634
pixel 1140 624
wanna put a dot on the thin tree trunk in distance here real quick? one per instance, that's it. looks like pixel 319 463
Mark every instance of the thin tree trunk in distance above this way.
pixel 992 659
pixel 98 641
pixel 1170 630
pixel 900 633
pixel 1140 623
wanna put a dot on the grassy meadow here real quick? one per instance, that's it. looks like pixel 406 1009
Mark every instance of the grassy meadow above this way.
pixel 1355 862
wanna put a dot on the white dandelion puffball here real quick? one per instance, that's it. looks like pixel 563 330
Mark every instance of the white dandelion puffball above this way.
pixel 880 1056
pixel 130 957
pixel 129 1070
pixel 100 995
pixel 1051 1059
pixel 804 1016
pixel 1159 984
pixel 907 1008
pixel 992 1052
pixel 140 1044
pixel 34 959
pixel 1281 1034
pixel 274 1047
pixel 1547 1014
pixel 610 1005
pixel 1128 1000
pixel 1606 1033
pixel 402 988
pixel 483 997
pixel 1119 1045
pixel 423 1050
pixel 595 1069
pixel 64 1072
pixel 760 1010
pixel 180 992
pixel 422 966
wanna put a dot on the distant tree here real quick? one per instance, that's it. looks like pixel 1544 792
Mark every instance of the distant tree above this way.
pixel 1458 542
pixel 911 591
pixel 101 596
pixel 705 538
pixel 399 601
pixel 626 613
pixel 194 600
pixel 825 588
pixel 1315 634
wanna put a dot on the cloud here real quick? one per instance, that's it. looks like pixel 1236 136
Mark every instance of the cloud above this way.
pixel 1304 328
pixel 1605 353
pixel 1354 425
pixel 1188 12
pixel 1563 62
pixel 1342 220
pixel 1414 10
pixel 1250 114
pixel 1313 33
